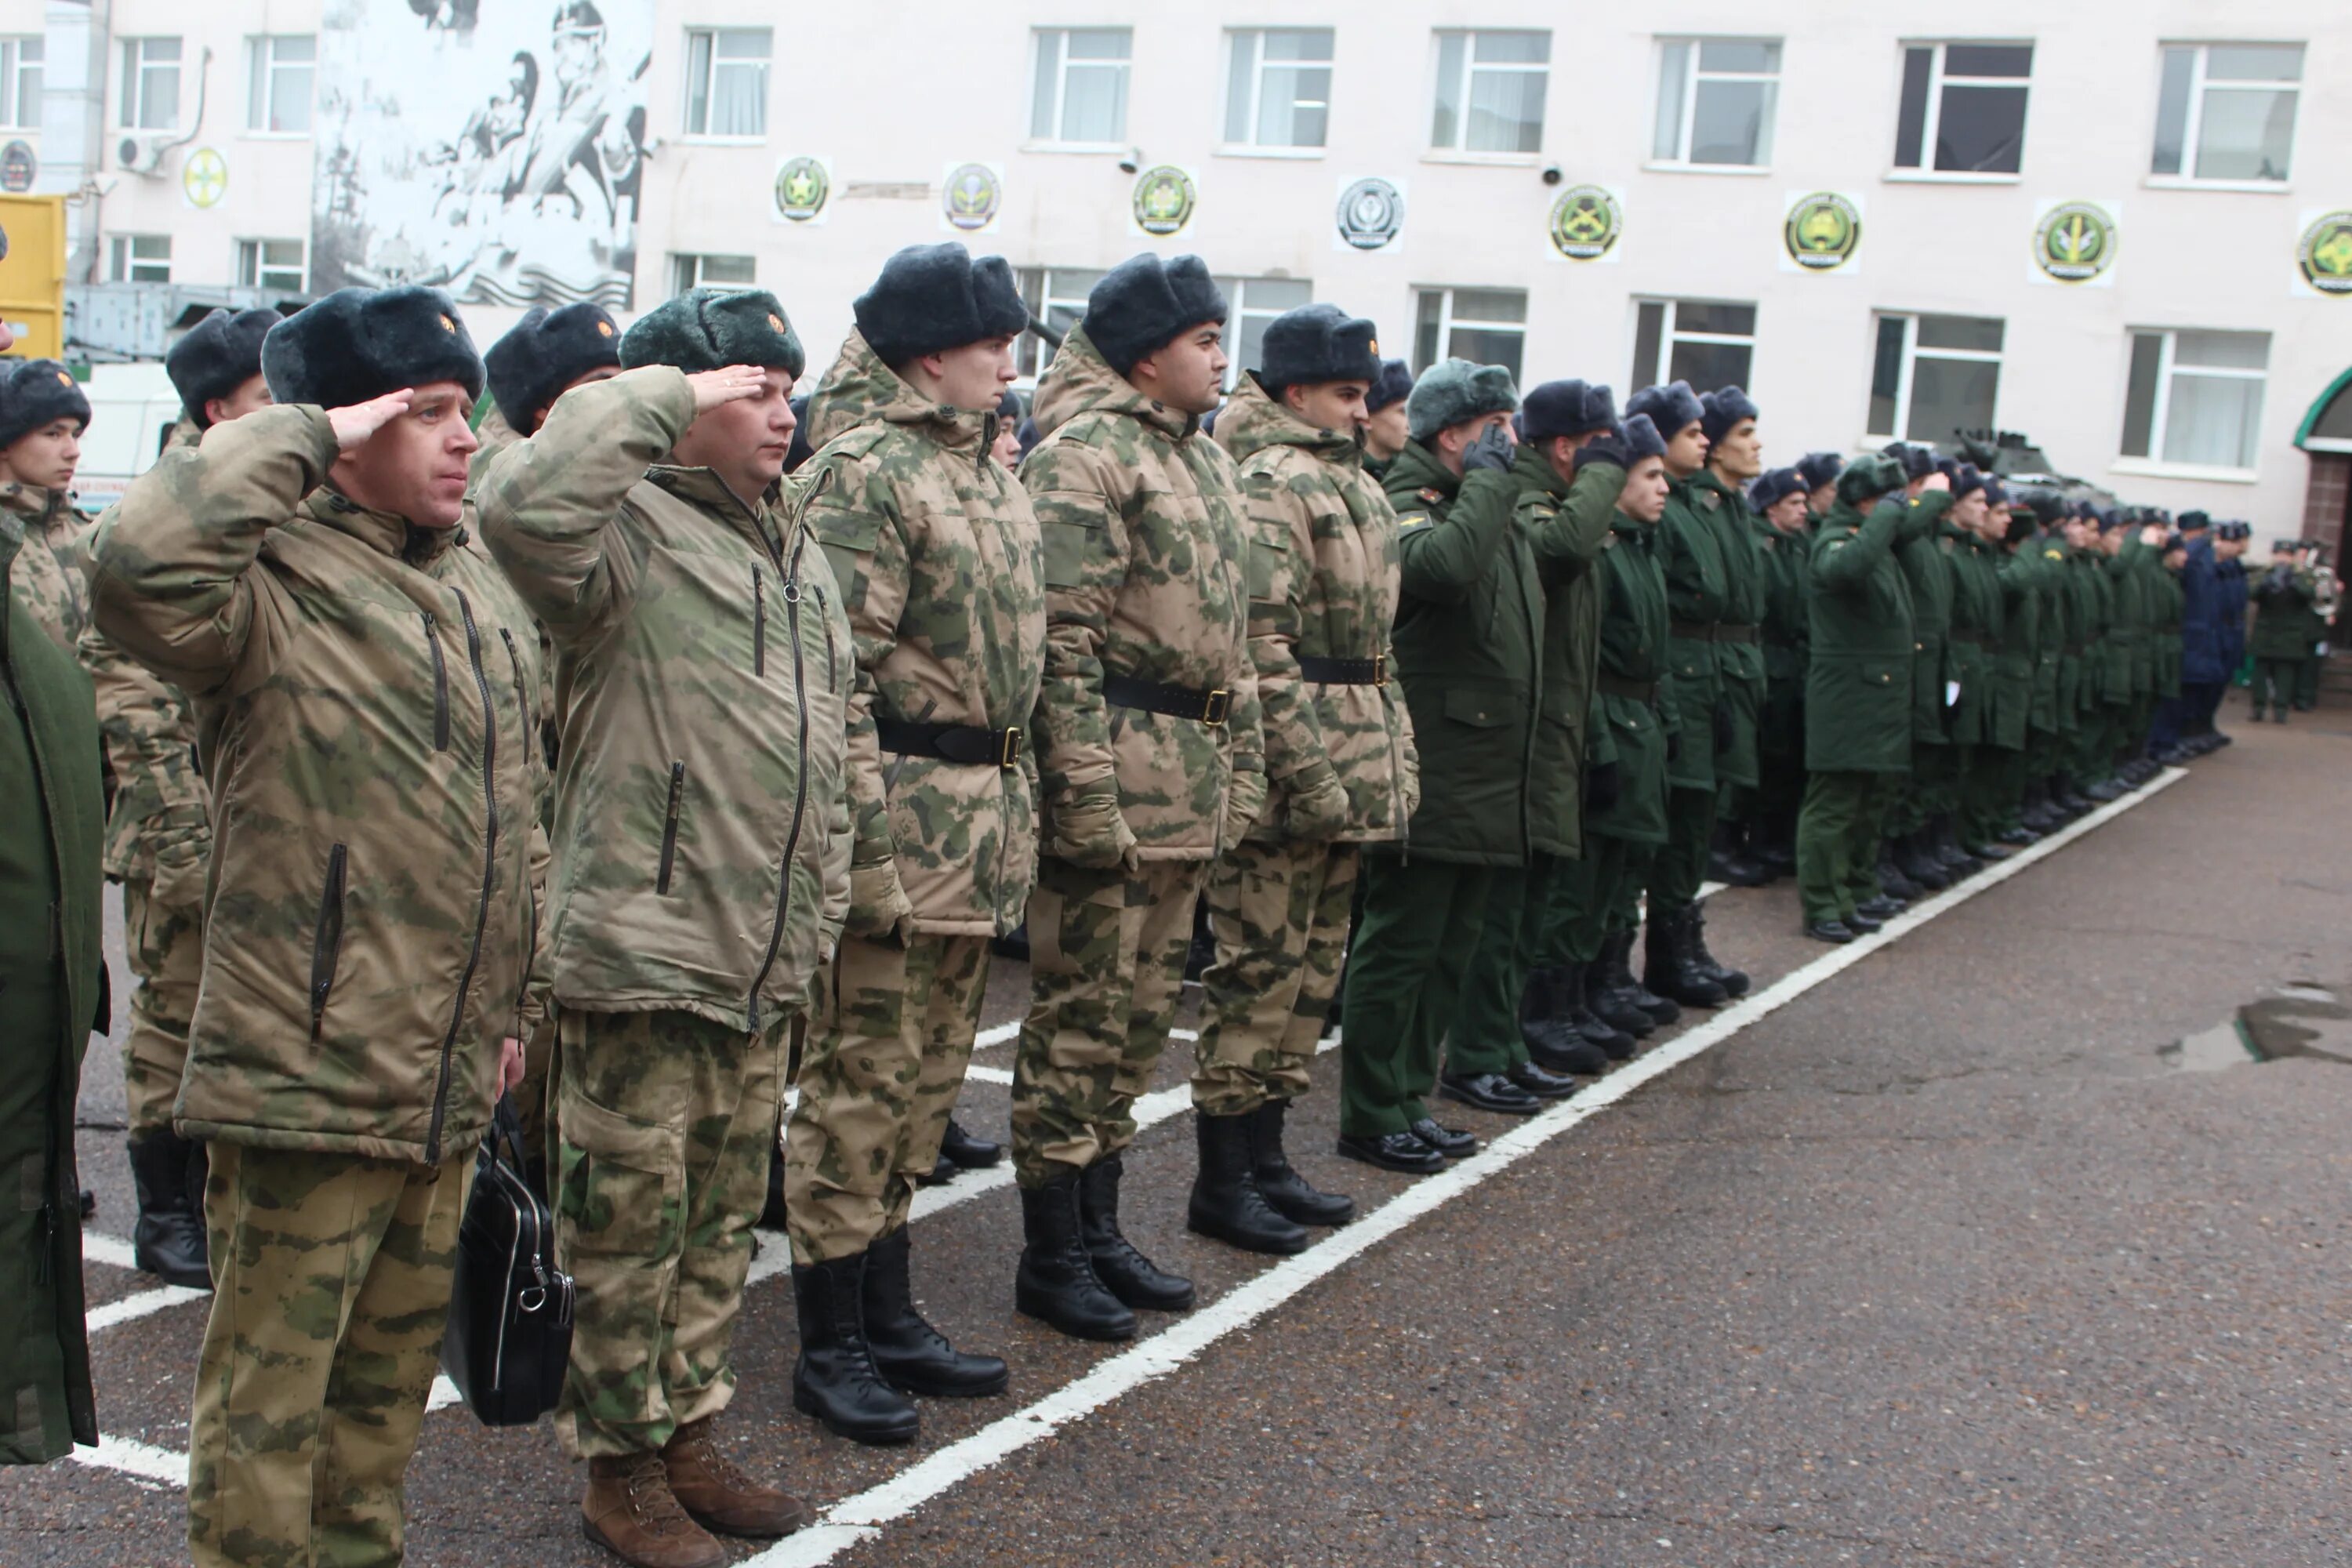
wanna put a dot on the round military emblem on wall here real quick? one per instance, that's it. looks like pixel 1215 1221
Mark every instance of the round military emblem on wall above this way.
pixel 1585 223
pixel 1821 231
pixel 18 167
pixel 971 197
pixel 803 187
pixel 1371 213
pixel 2324 254
pixel 1164 200
pixel 2075 242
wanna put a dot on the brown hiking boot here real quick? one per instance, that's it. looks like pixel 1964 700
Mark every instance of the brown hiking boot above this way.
pixel 631 1513
pixel 709 1486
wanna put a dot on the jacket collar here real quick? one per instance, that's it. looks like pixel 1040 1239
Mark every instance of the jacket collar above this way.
pixel 1417 466
pixel 704 489
pixel 1532 469
pixel 386 533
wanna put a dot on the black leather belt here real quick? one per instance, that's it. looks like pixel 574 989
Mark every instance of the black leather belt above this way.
pixel 1692 631
pixel 968 744
pixel 1372 671
pixel 1734 634
pixel 1974 639
pixel 1177 701
pixel 1619 686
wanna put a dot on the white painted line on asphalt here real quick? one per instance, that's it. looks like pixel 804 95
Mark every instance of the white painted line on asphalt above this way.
pixel 132 1308
pixel 1001 1034
pixel 988 1075
pixel 861 1517
pixel 159 1465
pixel 110 1250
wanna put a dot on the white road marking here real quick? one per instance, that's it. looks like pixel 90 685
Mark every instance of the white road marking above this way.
pixel 988 1075
pixel 861 1516
pixel 110 1250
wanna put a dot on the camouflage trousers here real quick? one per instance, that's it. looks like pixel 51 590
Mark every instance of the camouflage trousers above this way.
pixel 1279 913
pixel 331 1288
pixel 887 1043
pixel 668 1124
pixel 1105 968
pixel 163 940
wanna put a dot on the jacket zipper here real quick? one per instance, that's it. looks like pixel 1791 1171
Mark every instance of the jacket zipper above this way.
pixel 490 871
pixel 440 684
pixel 327 937
pixel 669 826
pixel 800 780
pixel 759 623
pixel 523 704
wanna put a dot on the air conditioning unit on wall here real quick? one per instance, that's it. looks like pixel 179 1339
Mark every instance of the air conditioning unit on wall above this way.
pixel 141 154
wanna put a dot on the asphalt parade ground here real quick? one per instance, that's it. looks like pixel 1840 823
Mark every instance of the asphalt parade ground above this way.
pixel 2015 1234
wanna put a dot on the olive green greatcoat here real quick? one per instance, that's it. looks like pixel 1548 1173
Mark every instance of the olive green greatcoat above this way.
pixel 1975 634
pixel 1698 597
pixel 1739 666
pixel 1928 575
pixel 1858 685
pixel 1632 733
pixel 1567 522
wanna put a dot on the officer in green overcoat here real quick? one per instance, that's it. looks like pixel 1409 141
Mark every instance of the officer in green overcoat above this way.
pixel 1778 499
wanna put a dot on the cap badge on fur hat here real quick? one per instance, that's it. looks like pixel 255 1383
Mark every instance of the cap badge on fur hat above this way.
pixel 604 329
pixel 64 379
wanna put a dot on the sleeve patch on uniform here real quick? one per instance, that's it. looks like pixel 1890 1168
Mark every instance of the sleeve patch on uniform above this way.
pixel 1432 494
pixel 1413 520
pixel 1069 546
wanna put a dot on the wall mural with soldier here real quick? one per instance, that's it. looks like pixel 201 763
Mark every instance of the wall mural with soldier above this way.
pixel 492 148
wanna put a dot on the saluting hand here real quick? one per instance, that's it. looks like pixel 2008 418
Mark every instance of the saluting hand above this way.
pixel 730 384
pixel 354 424
pixel 1937 482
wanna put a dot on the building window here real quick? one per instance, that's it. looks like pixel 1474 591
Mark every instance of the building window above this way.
pixel 1057 297
pixel 20 83
pixel 271 264
pixel 142 257
pixel 1487 326
pixel 694 272
pixel 151 84
pixel 279 71
pixel 2196 398
pixel 1963 110
pixel 1079 96
pixel 727 82
pixel 1933 376
pixel 2226 111
pixel 1279 87
pixel 1490 91
pixel 1708 342
pixel 1254 302
pixel 1716 101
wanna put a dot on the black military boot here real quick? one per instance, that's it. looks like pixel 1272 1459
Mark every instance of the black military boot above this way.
pixel 1774 842
pixel 1129 1276
pixel 168 1238
pixel 911 1355
pixel 1893 883
pixel 1616 963
pixel 1056 1282
pixel 1667 967
pixel 1227 1204
pixel 1292 1195
pixel 2068 797
pixel 1727 858
pixel 1734 982
pixel 1945 841
pixel 1610 1007
pixel 966 1151
pixel 1916 862
pixel 835 1379
pixel 1558 1044
pixel 1618 1045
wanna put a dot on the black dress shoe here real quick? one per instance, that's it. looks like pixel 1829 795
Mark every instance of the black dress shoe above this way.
pixel 1880 909
pixel 1541 1084
pixel 1894 884
pixel 1567 1052
pixel 969 1153
pixel 1451 1141
pixel 1393 1152
pixel 1489 1091
pixel 1861 924
pixel 1836 932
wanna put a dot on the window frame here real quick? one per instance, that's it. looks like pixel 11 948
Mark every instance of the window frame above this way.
pixel 1447 320
pixel 256 246
pixel 1032 354
pixel 2193 125
pixel 1236 289
pixel 1938 79
pixel 690 268
pixel 14 68
pixel 1693 75
pixel 1457 151
pixel 261 66
pixel 1255 36
pixel 1906 377
pixel 123 260
pixel 1054 142
pixel 710 83
pixel 1669 334
pixel 2155 463
pixel 133 57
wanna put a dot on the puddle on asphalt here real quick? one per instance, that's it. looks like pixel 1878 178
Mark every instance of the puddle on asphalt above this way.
pixel 2300 1020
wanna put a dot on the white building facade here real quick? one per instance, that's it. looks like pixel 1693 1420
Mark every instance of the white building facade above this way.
pixel 2123 229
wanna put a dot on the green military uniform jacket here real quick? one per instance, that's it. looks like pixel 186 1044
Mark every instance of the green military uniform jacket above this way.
pixel 1858 686
pixel 1787 577
pixel 2017 652
pixel 1634 717
pixel 1975 633
pixel 1928 575
pixel 1698 599
pixel 52 995
pixel 1567 523
pixel 2283 598
pixel 2106 680
pixel 1739 647
pixel 2053 658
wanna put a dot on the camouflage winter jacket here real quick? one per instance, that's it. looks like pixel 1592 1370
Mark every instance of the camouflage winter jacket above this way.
pixel 937 552
pixel 361 708
pixel 1145 559
pixel 1322 586
pixel 50 581
pixel 702 668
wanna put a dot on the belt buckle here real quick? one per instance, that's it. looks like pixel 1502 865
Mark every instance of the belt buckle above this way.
pixel 1212 712
pixel 1008 754
pixel 1380 669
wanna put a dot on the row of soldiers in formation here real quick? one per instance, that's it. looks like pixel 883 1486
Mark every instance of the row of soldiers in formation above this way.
pixel 594 758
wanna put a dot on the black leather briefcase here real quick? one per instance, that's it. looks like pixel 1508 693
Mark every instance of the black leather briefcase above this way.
pixel 509 1336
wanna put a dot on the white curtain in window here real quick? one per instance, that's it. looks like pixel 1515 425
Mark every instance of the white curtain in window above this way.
pixel 2212 420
